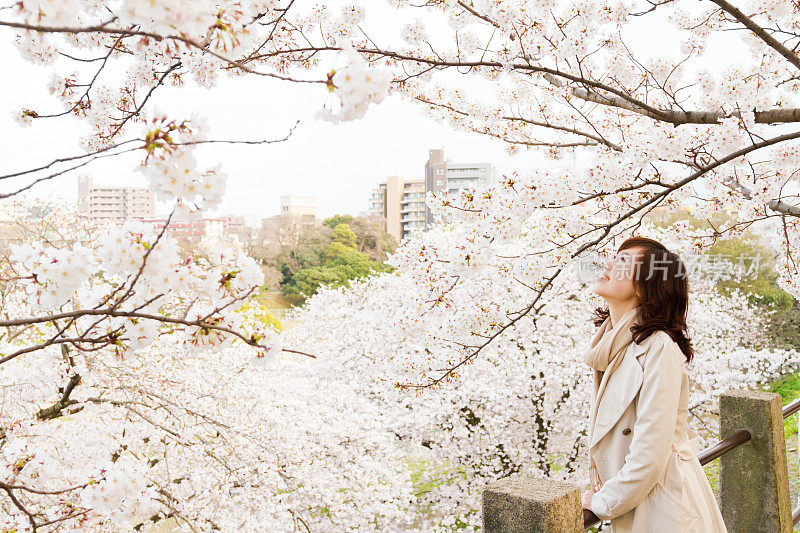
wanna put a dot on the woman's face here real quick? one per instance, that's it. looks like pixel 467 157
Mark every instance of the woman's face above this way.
pixel 616 282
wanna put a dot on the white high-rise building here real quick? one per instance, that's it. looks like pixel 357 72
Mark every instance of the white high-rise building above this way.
pixel 412 208
pixel 302 207
pixel 116 204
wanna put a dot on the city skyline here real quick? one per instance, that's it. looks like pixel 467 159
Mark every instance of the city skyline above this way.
pixel 415 178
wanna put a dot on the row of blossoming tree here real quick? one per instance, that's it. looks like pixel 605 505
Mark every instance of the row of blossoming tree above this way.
pixel 167 432
pixel 124 403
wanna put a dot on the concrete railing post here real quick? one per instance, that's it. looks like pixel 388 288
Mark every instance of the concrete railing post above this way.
pixel 519 504
pixel 754 478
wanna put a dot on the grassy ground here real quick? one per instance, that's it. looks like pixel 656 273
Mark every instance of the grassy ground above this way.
pixel 274 300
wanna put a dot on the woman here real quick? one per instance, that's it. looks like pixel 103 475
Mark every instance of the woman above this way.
pixel 644 472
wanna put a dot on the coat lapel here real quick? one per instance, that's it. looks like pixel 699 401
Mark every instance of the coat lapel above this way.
pixel 620 391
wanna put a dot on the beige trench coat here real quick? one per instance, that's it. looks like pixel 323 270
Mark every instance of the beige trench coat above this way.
pixel 645 452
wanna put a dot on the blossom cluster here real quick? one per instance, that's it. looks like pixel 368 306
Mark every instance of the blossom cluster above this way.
pixel 177 176
pixel 357 85
pixel 53 275
pixel 136 270
pixel 122 494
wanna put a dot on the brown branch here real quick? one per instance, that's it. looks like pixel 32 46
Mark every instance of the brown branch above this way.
pixel 479 15
pixel 18 504
pixel 147 96
pixel 762 34
pixel 114 313
pixel 67 159
pixel 677 117
pixel 54 411
pixel 556 127
pixel 103 29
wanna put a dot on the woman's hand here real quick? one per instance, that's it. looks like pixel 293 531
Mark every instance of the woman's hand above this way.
pixel 586 499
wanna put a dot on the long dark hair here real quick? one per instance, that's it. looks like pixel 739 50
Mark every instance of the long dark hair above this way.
pixel 662 284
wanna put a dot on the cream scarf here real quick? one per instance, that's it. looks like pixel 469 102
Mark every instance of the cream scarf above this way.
pixel 604 356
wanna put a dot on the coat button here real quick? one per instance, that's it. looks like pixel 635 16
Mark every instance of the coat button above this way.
pixel 626 431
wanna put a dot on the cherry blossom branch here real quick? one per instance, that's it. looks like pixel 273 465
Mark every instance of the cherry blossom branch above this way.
pixel 790 55
pixel 113 301
pixel 472 10
pixel 605 231
pixel 18 504
pixel 113 313
pixel 103 153
pixel 65 171
pixel 147 96
pixel 67 159
pixel 9 489
pixel 566 129
pixel 617 98
pixel 103 29
pixel 90 85
pixel 678 117
pixel 775 205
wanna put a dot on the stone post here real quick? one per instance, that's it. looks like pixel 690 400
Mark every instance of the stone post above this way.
pixel 519 504
pixel 754 479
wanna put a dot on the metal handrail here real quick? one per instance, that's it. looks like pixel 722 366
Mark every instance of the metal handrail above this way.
pixel 728 443
pixel 714 451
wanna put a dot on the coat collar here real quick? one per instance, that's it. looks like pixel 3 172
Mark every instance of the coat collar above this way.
pixel 621 389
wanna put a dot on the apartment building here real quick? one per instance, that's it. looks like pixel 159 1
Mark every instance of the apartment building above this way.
pixel 114 204
pixel 400 203
pixel 412 208
pixel 441 175
pixel 211 229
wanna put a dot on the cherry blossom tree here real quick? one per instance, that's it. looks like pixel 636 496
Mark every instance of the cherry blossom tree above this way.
pixel 646 129
pixel 101 316
pixel 171 432
pixel 521 407
pixel 116 291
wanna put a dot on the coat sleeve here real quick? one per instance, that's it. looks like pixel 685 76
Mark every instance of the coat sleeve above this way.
pixel 653 432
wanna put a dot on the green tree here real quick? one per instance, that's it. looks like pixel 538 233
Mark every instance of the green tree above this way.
pixel 340 264
pixel 344 235
pixel 371 238
pixel 335 220
pixel 342 248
